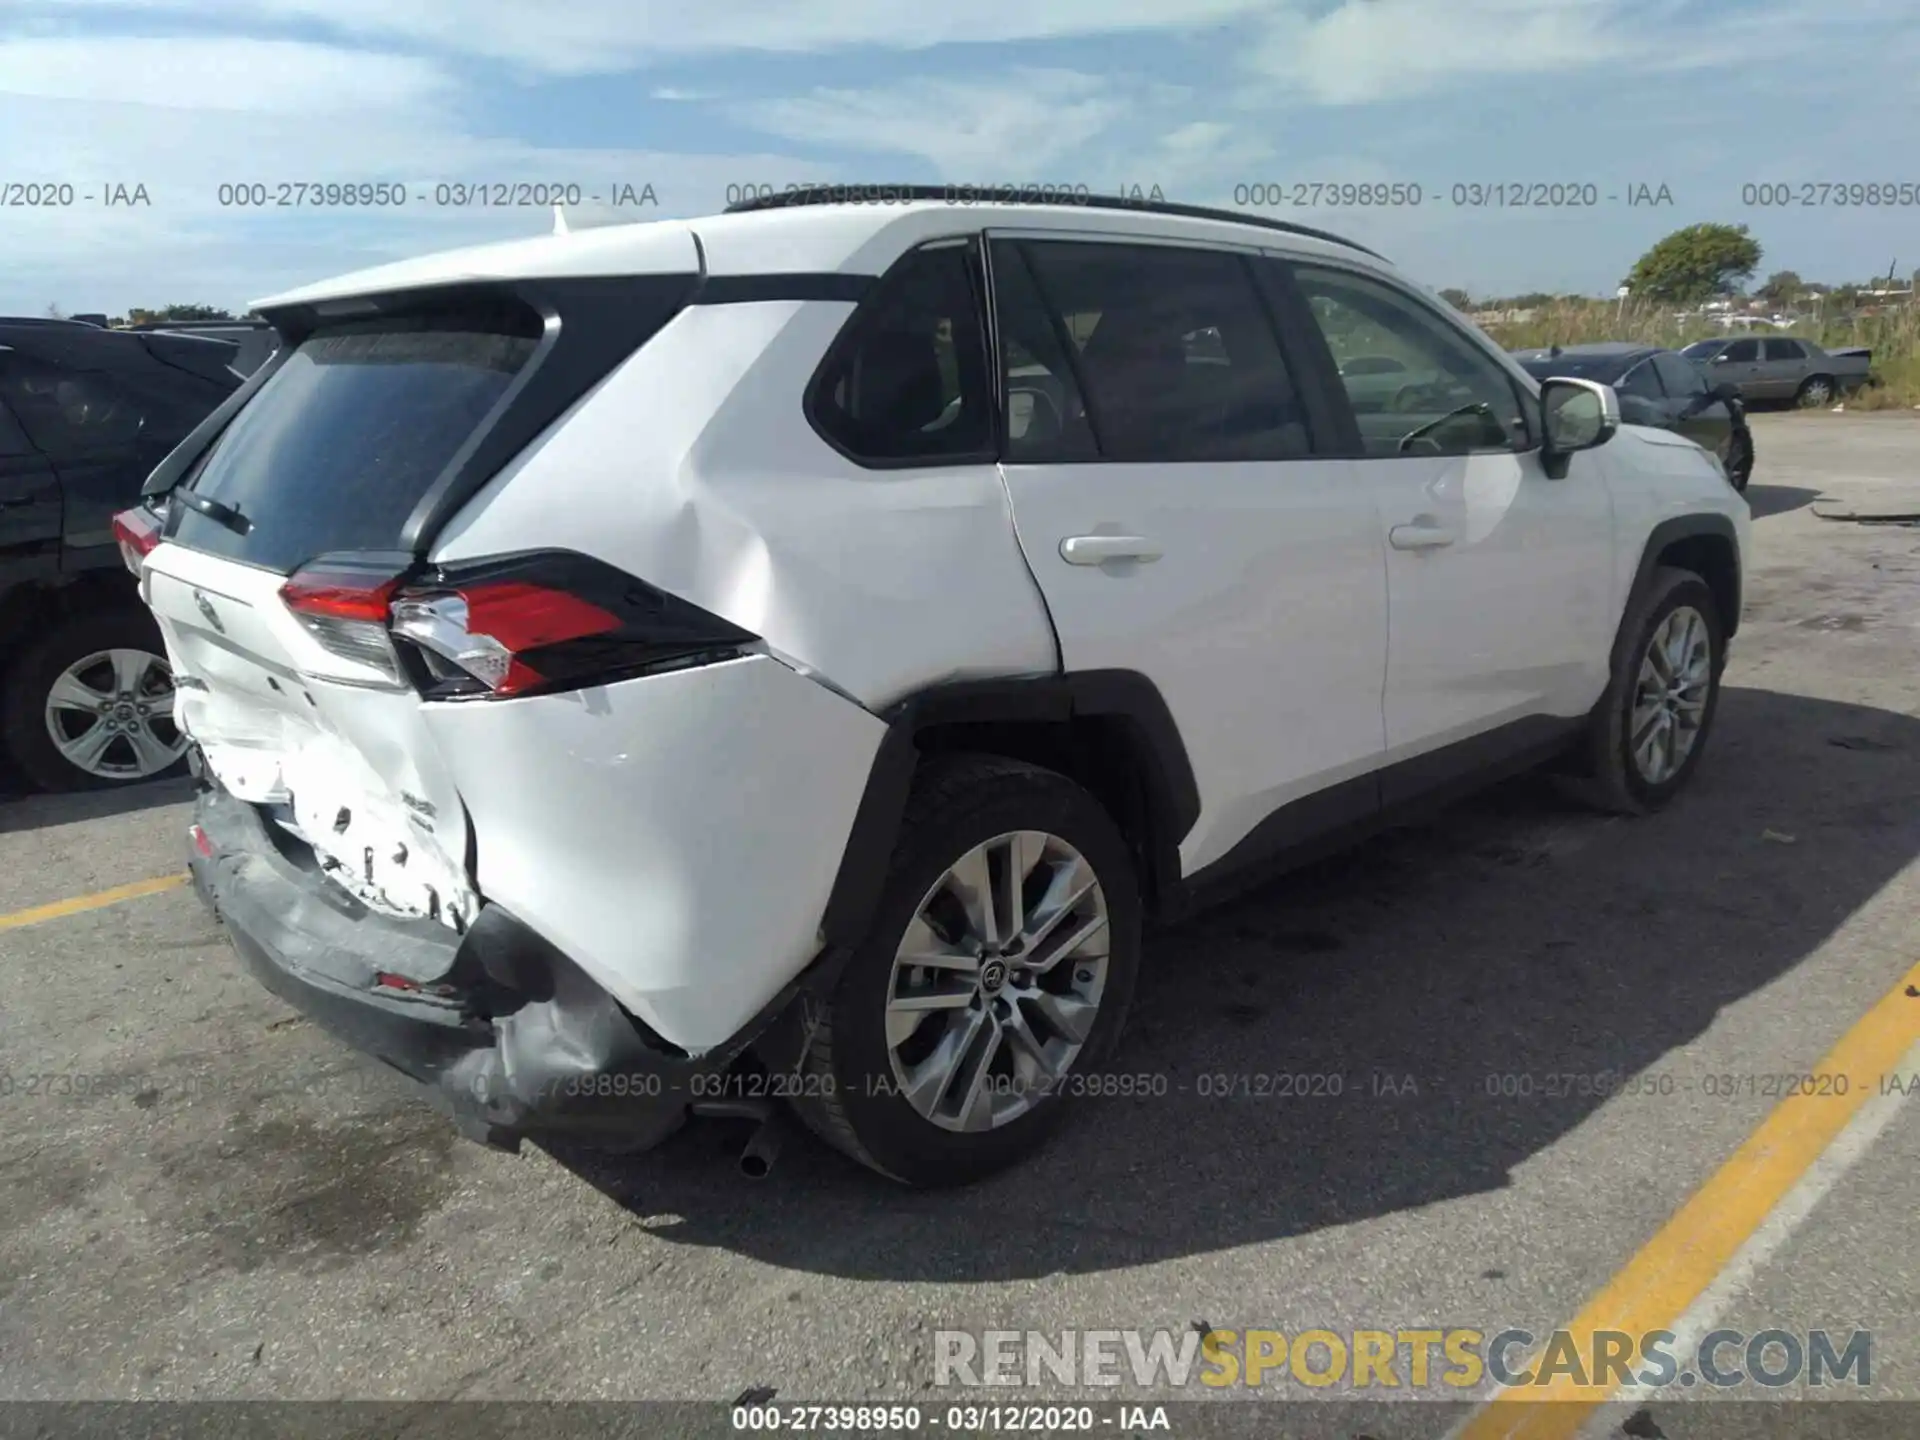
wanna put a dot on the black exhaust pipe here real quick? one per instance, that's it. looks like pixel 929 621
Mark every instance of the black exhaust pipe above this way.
pixel 763 1149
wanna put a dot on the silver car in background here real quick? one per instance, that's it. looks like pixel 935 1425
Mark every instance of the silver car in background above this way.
pixel 1781 367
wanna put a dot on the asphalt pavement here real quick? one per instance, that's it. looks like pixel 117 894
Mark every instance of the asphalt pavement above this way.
pixel 220 1202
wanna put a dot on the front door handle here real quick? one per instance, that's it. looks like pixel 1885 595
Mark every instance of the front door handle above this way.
pixel 1419 537
pixel 1098 549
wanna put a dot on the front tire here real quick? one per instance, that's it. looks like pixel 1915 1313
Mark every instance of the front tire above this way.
pixel 1740 461
pixel 1648 732
pixel 997 975
pixel 89 705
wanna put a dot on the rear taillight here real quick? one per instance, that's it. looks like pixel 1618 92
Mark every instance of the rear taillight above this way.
pixel 549 620
pixel 489 628
pixel 542 621
pixel 137 531
pixel 343 601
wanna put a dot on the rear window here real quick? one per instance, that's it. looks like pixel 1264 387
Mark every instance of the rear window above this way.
pixel 1602 368
pixel 344 440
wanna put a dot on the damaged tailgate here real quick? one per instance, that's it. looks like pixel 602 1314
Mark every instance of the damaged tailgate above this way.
pixel 337 751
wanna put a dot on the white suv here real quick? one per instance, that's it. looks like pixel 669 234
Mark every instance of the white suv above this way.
pixel 788 655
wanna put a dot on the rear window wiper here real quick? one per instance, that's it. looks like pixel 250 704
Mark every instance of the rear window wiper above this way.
pixel 220 514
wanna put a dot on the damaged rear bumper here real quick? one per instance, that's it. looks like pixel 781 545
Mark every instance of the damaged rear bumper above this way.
pixel 506 1034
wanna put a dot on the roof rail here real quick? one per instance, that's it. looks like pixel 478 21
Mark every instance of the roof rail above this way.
pixel 187 327
pixel 882 194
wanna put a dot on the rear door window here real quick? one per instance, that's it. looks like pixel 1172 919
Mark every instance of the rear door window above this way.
pixel 349 434
pixel 13 440
pixel 70 412
pixel 1046 416
pixel 1174 349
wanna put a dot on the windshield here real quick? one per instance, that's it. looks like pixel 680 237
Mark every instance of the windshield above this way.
pixel 1701 349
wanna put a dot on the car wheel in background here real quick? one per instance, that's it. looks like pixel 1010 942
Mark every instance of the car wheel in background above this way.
pixel 1740 459
pixel 89 705
pixel 1815 392
pixel 997 975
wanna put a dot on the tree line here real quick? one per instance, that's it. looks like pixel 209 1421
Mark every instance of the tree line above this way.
pixel 1692 266
pixel 165 314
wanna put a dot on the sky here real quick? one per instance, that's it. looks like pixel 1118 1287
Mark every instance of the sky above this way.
pixel 142 127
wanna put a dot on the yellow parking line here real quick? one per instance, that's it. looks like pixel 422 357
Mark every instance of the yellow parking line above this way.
pixel 80 903
pixel 1656 1286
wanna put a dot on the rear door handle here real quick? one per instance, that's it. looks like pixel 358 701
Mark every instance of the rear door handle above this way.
pixel 1419 537
pixel 1098 549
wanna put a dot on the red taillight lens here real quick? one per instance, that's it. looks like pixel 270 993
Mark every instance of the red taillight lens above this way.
pixel 343 602
pixel 340 594
pixel 549 620
pixel 488 628
pixel 543 620
pixel 524 616
pixel 137 531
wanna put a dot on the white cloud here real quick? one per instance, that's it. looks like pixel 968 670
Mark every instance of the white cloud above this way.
pixel 1011 129
pixel 1365 50
pixel 1290 100
pixel 187 246
pixel 216 73
pixel 606 36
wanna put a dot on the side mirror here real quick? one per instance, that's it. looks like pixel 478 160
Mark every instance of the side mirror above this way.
pixel 1577 415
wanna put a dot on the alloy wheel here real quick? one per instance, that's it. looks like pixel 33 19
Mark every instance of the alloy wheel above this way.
pixel 997 983
pixel 1670 695
pixel 110 714
pixel 1816 393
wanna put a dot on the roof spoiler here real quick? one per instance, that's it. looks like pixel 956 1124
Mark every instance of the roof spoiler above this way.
pixel 569 218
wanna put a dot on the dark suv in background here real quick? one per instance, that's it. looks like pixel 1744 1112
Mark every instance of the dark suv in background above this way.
pixel 86 698
pixel 1659 388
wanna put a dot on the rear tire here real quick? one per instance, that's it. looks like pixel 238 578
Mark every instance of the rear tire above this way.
pixel 82 650
pixel 891 1078
pixel 1815 391
pixel 1647 734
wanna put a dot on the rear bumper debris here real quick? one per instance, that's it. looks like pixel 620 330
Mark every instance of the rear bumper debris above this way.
pixel 504 1033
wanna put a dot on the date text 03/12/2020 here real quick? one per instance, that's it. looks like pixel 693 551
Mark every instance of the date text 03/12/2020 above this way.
pixel 1460 194
pixel 390 195
pixel 751 1414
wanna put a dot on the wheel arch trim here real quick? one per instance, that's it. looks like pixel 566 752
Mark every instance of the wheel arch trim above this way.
pixel 1170 793
pixel 1704 524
